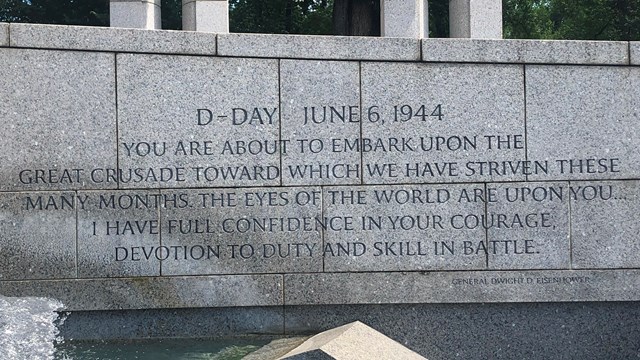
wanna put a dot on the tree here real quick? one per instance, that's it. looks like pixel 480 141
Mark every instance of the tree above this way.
pixel 69 12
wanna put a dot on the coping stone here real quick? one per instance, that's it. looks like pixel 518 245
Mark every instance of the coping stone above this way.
pixel 204 219
pixel 402 236
pixel 526 51
pixel 313 91
pixel 112 39
pixel 116 232
pixel 476 101
pixel 462 287
pixel 634 49
pixel 189 116
pixel 40 242
pixel 582 113
pixel 58 124
pixel 536 235
pixel 154 292
pixel 319 47
pixel 604 219
pixel 4 34
pixel 351 342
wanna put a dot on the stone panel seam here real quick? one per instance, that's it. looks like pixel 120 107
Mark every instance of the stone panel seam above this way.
pixel 524 104
pixel 570 232
pixel 115 67
pixel 361 120
pixel 279 117
pixel 486 230
pixel 77 237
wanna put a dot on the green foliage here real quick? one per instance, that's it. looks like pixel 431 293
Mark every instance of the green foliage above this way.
pixel 281 16
pixel 572 19
pixel 66 12
pixel 523 19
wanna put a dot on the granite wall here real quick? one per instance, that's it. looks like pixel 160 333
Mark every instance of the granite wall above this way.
pixel 254 176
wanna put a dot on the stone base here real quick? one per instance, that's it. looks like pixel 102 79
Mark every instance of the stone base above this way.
pixel 602 330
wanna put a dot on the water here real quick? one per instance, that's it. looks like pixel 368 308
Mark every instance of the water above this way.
pixel 28 331
pixel 27 328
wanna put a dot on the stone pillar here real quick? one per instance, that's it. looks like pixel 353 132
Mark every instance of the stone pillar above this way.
pixel 139 14
pixel 205 15
pixel 478 19
pixel 405 18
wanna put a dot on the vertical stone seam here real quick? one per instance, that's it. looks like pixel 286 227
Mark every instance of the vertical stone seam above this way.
pixel 486 231
pixel 115 74
pixel 9 42
pixel 284 308
pixel 361 120
pixel 77 239
pixel 160 229
pixel 524 102
pixel 279 119
pixel 628 52
pixel 570 233
pixel 217 38
pixel 322 231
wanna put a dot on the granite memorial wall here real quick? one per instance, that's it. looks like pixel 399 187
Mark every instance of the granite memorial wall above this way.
pixel 166 170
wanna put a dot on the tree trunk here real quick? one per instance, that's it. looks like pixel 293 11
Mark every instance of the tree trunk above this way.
pixel 356 17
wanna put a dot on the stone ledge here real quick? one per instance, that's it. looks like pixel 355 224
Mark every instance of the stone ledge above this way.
pixel 634 49
pixel 462 287
pixel 4 34
pixel 111 39
pixel 526 51
pixel 154 293
pixel 319 47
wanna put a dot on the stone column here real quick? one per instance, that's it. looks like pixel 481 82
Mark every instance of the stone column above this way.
pixel 478 19
pixel 140 14
pixel 205 15
pixel 405 18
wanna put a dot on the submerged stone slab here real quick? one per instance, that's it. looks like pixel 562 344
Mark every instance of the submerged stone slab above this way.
pixel 582 122
pixel 437 123
pixel 319 47
pixel 526 51
pixel 320 113
pixel 208 122
pixel 404 228
pixel 154 292
pixel 119 234
pixel 605 224
pixel 37 235
pixel 112 39
pixel 462 287
pixel 227 231
pixel 528 226
pixel 59 124
pixel 4 34
pixel 352 341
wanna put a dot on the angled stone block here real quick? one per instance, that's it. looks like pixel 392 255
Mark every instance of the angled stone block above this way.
pixel 350 342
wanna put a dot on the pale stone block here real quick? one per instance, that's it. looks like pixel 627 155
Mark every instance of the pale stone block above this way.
pixel 112 39
pixel 138 14
pixel 405 18
pixel 205 15
pixel 479 19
